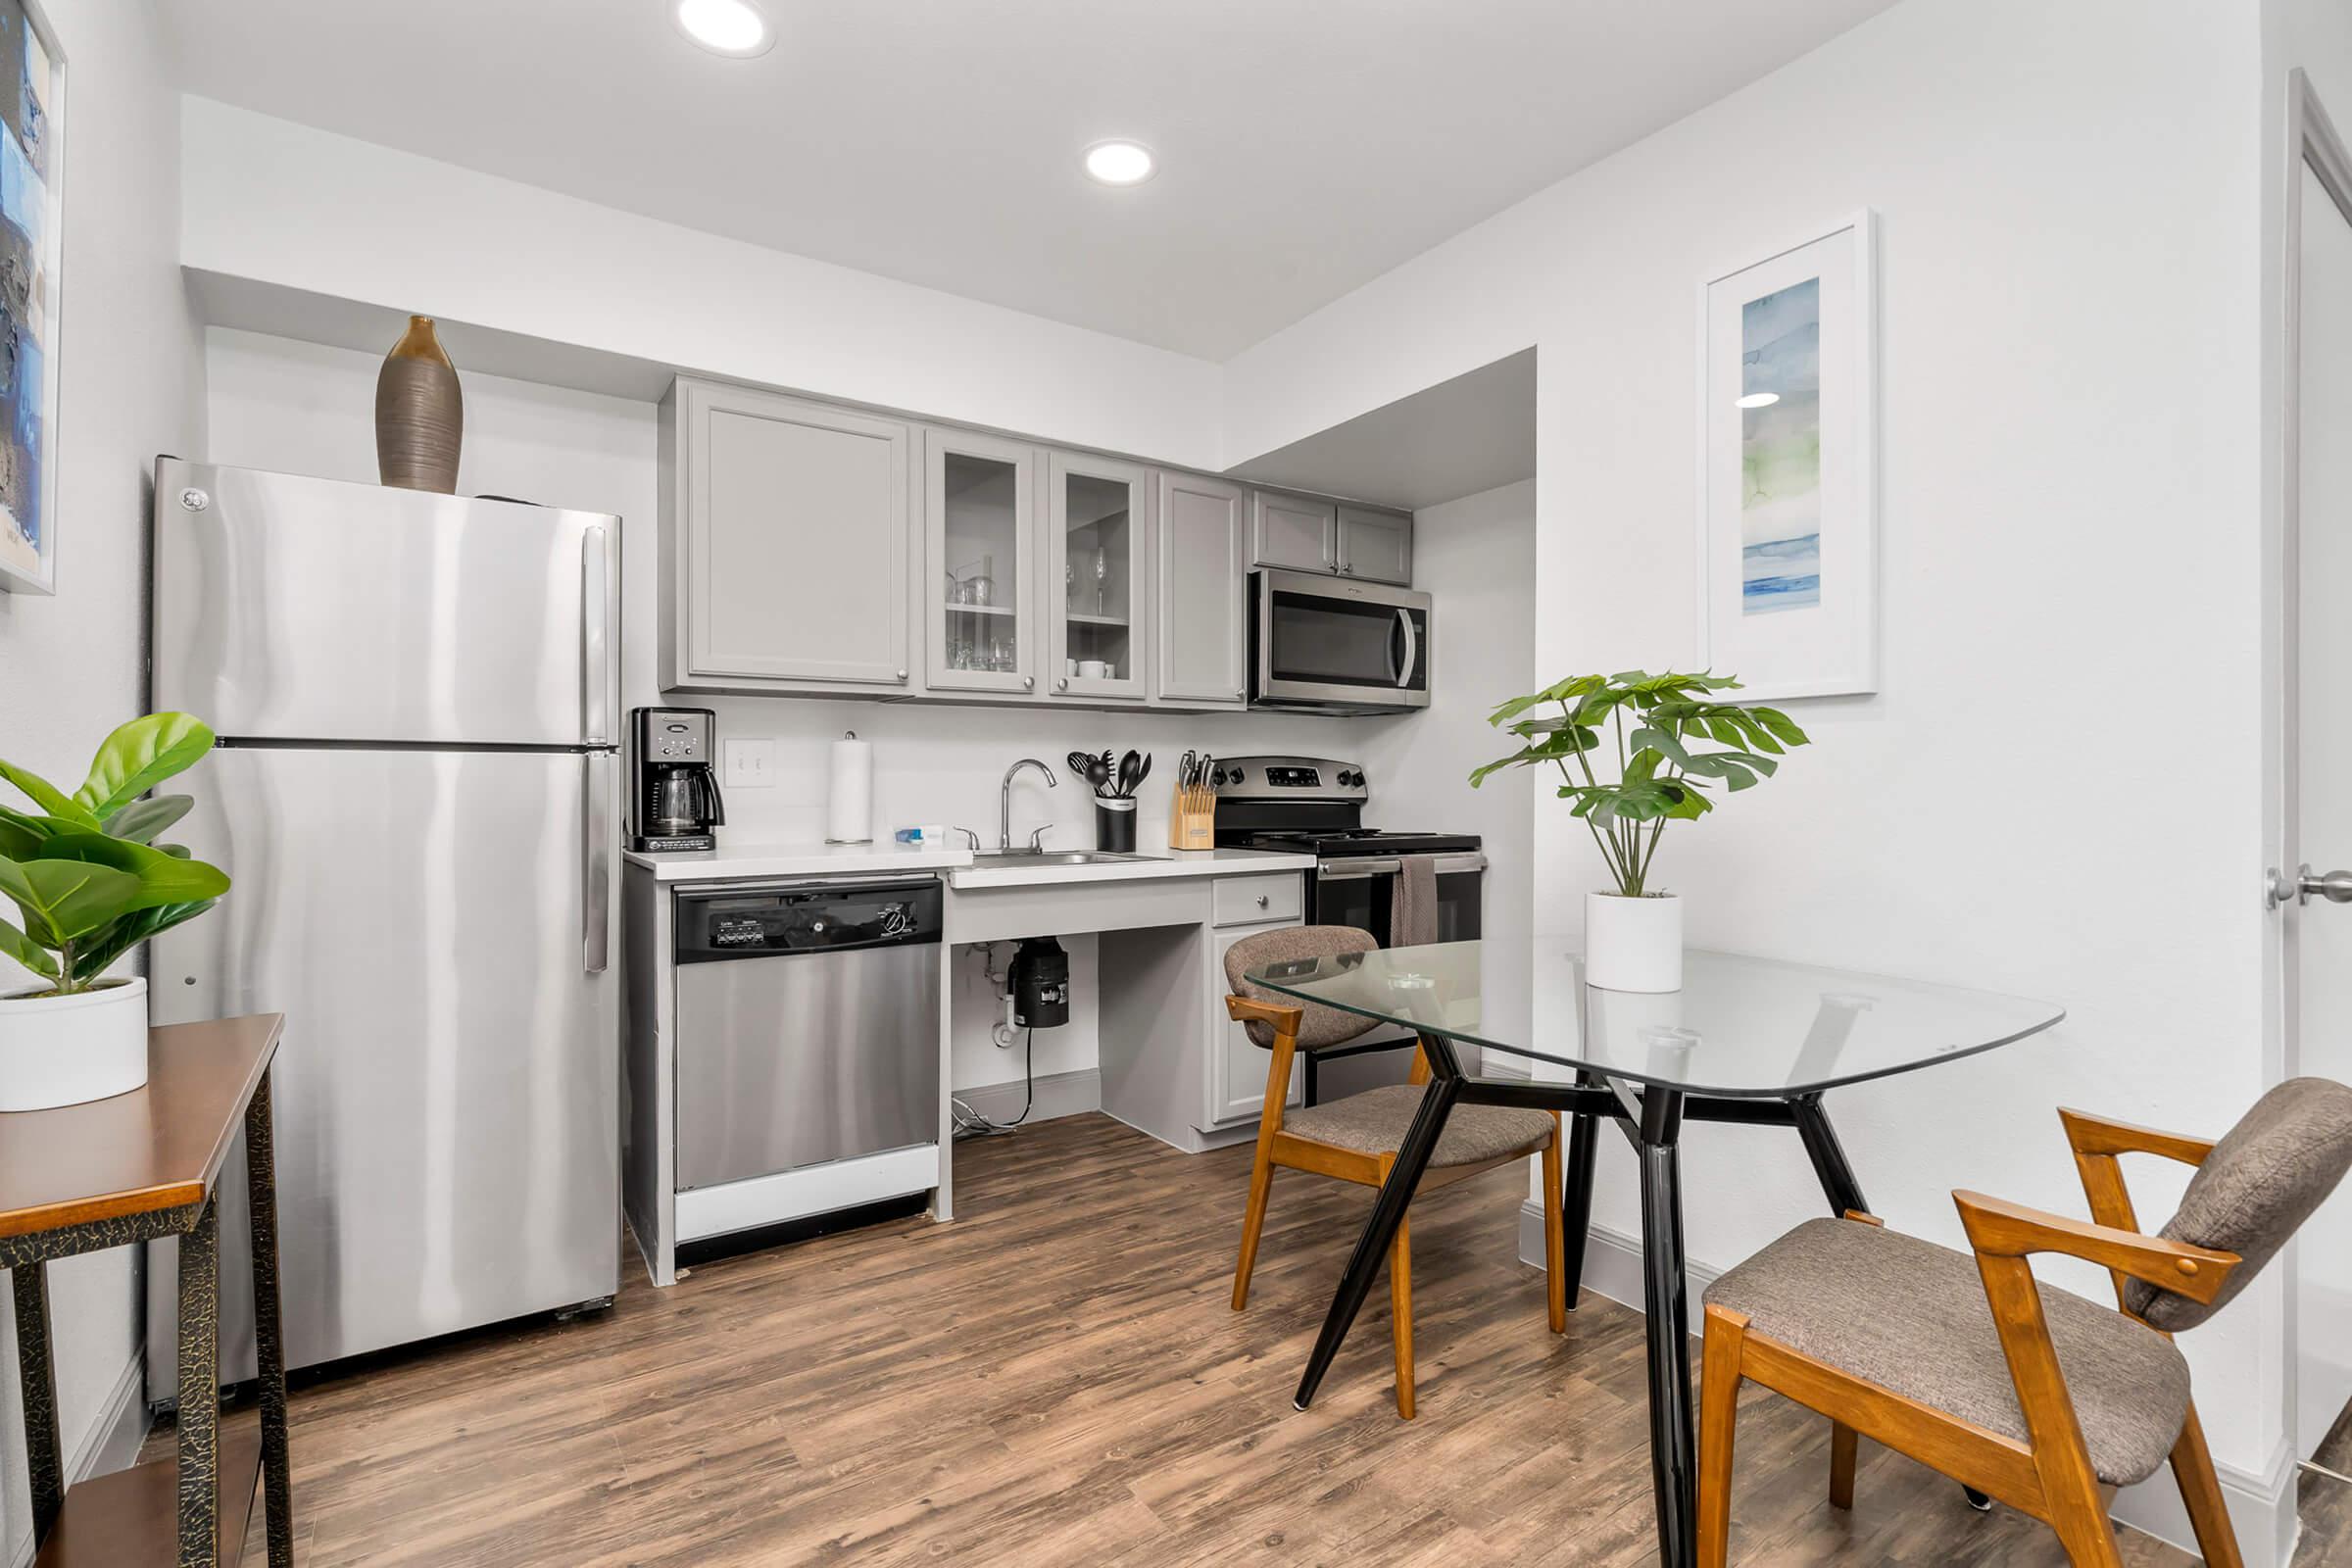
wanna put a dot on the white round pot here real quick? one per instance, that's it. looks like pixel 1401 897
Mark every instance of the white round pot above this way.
pixel 1634 943
pixel 61 1050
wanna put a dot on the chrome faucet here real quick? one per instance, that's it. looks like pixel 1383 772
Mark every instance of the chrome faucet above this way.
pixel 1005 805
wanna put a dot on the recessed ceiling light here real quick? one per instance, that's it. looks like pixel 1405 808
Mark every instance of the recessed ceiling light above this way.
pixel 725 26
pixel 1759 400
pixel 1120 163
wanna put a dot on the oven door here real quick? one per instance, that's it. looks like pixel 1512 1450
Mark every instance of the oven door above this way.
pixel 1359 893
pixel 1332 644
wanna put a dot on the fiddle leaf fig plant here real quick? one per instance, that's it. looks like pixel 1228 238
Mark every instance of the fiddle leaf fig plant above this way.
pixel 1653 728
pixel 88 880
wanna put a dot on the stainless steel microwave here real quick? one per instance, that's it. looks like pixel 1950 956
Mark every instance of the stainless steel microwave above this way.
pixel 1336 645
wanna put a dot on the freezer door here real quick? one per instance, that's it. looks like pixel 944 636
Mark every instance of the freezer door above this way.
pixel 448 1091
pixel 299 609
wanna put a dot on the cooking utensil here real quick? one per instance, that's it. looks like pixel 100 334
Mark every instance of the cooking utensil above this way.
pixel 1127 775
pixel 1142 772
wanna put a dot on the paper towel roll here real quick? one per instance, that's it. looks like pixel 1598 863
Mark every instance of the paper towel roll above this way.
pixel 849 812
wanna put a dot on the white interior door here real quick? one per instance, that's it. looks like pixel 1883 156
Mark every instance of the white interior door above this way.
pixel 2319 933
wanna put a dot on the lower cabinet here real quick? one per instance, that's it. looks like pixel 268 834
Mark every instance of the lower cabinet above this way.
pixel 1235 1090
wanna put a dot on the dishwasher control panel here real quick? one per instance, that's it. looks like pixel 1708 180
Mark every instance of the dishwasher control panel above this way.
pixel 720 923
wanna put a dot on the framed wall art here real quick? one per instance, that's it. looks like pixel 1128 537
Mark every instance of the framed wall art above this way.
pixel 33 164
pixel 1788 526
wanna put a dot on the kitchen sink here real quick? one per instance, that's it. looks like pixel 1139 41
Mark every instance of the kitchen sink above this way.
pixel 1056 858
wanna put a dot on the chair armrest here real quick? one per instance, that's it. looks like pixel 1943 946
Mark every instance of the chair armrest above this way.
pixel 1282 1020
pixel 2098 1135
pixel 1997 1228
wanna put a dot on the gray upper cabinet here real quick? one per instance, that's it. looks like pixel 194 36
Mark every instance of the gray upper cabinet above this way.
pixel 1377 546
pixel 1201 570
pixel 1098 578
pixel 981 531
pixel 1294 533
pixel 765 497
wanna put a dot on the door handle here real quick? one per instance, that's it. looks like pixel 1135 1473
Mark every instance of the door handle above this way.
pixel 596 862
pixel 595 638
pixel 2305 885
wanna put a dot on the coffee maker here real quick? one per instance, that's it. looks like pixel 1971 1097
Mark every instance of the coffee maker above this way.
pixel 673 794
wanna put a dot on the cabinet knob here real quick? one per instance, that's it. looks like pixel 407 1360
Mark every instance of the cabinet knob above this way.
pixel 1028 682
pixel 1238 692
pixel 902 675
pixel 1063 685
pixel 1264 901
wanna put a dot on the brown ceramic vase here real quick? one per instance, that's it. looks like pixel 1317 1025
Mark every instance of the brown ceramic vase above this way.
pixel 420 413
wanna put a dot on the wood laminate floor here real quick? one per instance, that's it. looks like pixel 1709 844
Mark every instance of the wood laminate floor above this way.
pixel 1056 1379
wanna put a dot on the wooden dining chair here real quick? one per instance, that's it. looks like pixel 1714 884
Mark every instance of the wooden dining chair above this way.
pixel 1356 1139
pixel 2020 1389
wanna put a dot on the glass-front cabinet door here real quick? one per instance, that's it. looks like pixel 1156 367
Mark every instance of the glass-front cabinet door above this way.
pixel 1096 597
pixel 980 591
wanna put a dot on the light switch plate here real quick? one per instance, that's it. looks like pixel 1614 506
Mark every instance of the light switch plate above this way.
pixel 748 762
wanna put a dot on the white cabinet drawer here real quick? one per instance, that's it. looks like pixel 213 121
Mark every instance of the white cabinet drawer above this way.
pixel 1249 899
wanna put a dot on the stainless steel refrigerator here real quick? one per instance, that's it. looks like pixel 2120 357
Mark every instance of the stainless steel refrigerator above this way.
pixel 414 793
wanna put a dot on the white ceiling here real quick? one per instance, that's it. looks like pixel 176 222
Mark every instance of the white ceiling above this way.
pixel 1305 148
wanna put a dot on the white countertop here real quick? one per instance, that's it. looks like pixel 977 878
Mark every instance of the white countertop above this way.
pixel 1011 874
pixel 732 861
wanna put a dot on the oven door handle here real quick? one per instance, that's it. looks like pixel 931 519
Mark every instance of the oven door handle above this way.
pixel 1363 870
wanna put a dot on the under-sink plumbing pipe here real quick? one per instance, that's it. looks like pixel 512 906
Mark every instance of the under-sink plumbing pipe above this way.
pixel 1001 981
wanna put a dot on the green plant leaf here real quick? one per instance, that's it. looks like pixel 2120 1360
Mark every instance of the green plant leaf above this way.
pixel 140 755
pixel 68 899
pixel 47 796
pixel 141 820
pixel 21 948
pixel 164 877
pixel 127 933
pixel 1782 727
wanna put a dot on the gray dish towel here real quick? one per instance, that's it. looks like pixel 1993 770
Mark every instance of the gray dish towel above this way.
pixel 1413 902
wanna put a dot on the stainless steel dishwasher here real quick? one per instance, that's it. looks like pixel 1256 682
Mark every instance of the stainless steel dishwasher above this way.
pixel 808 1024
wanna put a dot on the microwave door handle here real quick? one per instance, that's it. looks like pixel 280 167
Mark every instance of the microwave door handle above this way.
pixel 1412 648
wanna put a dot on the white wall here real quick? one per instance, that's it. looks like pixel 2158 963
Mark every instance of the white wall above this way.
pixel 284 205
pixel 305 409
pixel 1477 557
pixel 72 667
pixel 2057 790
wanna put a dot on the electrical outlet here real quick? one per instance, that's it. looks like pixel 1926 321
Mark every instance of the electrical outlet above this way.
pixel 748 762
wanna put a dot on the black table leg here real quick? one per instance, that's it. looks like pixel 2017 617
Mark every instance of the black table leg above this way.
pixel 260 1183
pixel 1388 1211
pixel 1673 1447
pixel 1576 1190
pixel 200 1390
pixel 1829 1167
pixel 36 1373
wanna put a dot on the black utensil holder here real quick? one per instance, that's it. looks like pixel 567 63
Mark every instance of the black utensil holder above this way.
pixel 1114 826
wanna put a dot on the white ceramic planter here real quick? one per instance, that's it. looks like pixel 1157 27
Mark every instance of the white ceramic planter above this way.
pixel 61 1050
pixel 1634 943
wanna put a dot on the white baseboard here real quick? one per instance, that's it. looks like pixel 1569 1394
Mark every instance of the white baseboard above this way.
pixel 1612 1261
pixel 2262 1507
pixel 112 1442
pixel 1058 1094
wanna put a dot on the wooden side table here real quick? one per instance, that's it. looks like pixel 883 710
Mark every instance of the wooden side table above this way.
pixel 115 1172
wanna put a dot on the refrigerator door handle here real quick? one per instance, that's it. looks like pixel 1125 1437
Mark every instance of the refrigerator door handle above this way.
pixel 595 638
pixel 596 861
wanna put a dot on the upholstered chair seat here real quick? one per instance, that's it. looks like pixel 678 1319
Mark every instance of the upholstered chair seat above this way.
pixel 1911 1317
pixel 1374 1121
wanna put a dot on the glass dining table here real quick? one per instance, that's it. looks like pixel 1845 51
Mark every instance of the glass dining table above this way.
pixel 1745 1040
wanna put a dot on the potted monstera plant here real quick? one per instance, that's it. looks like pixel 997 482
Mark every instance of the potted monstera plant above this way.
pixel 90 883
pixel 1636 751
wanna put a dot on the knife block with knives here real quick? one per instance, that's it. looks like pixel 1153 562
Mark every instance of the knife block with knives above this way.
pixel 1193 811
